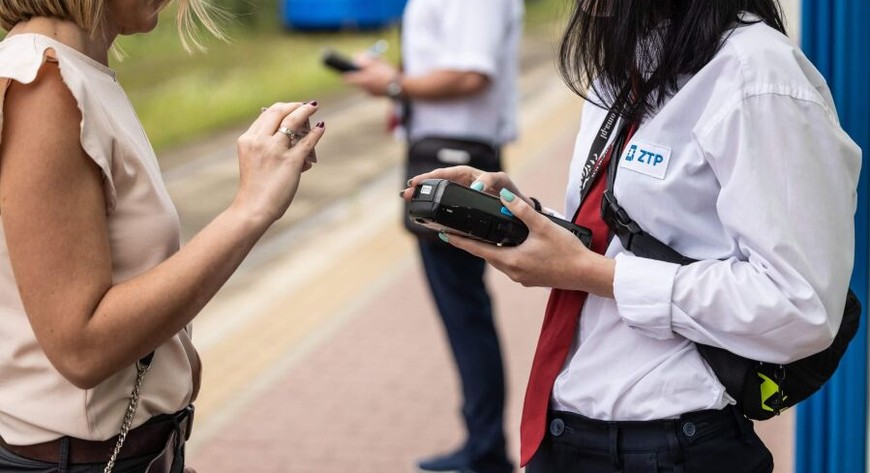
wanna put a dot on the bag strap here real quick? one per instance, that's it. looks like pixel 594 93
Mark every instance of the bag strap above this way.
pixel 632 237
pixel 729 367
pixel 142 367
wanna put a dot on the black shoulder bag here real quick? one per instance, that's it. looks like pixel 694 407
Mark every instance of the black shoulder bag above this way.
pixel 762 390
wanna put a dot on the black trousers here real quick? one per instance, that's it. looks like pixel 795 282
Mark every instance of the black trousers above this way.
pixel 456 280
pixel 10 462
pixel 169 460
pixel 699 442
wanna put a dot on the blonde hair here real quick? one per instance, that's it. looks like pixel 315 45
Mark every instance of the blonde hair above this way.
pixel 88 14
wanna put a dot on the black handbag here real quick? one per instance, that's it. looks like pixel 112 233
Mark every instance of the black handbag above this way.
pixel 431 153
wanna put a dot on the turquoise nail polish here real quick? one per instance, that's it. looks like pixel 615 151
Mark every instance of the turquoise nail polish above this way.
pixel 507 195
pixel 506 211
pixel 477 185
pixel 443 237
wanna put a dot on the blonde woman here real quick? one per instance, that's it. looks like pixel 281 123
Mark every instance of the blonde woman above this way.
pixel 93 285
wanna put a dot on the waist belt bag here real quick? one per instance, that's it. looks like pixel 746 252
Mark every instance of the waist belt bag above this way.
pixel 431 153
pixel 762 390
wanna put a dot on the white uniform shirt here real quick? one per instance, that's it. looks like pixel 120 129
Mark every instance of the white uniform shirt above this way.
pixel 747 169
pixel 481 36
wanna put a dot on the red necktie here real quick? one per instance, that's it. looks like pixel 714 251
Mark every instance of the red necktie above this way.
pixel 560 325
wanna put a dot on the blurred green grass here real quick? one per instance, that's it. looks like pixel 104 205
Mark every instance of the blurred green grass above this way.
pixel 182 97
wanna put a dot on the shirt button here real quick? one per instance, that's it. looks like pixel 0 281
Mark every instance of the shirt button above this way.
pixel 689 429
pixel 557 426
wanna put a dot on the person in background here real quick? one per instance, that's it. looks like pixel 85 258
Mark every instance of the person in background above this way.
pixel 458 86
pixel 729 151
pixel 96 294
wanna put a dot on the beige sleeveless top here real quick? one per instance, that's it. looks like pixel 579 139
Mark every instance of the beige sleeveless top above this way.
pixel 37 404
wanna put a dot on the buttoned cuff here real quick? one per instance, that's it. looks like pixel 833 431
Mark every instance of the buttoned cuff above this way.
pixel 642 288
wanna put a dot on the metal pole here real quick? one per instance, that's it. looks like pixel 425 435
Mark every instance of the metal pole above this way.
pixel 832 425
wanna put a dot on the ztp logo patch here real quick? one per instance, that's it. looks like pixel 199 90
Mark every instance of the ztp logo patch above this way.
pixel 646 158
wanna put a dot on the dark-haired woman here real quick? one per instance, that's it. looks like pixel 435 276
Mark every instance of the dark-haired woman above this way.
pixel 730 152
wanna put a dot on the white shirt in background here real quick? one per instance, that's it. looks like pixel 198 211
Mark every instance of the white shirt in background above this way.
pixel 474 36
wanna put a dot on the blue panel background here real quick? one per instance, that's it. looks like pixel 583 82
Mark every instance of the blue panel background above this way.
pixel 334 14
pixel 832 425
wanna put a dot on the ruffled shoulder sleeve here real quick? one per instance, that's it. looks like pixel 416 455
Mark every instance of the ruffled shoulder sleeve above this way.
pixel 22 57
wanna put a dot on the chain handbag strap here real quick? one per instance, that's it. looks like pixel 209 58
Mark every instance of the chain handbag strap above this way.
pixel 142 367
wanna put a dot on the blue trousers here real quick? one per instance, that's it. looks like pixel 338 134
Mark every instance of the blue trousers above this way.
pixel 456 281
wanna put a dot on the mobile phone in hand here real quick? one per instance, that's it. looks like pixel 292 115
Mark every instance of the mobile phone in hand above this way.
pixel 338 62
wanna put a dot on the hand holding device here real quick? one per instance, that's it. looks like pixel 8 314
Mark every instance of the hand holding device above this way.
pixel 443 205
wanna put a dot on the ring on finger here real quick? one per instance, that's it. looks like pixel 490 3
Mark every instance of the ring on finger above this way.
pixel 290 133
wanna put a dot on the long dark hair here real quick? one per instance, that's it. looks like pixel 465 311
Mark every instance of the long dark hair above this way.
pixel 646 45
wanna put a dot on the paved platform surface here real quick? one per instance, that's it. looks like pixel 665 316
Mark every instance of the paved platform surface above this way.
pixel 324 354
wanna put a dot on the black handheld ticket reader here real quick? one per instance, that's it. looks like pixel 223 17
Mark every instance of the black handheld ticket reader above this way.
pixel 446 206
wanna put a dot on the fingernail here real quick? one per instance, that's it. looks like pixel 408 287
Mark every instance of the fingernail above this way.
pixel 477 185
pixel 401 193
pixel 443 237
pixel 506 211
pixel 410 182
pixel 507 195
pixel 263 109
pixel 313 103
pixel 320 125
